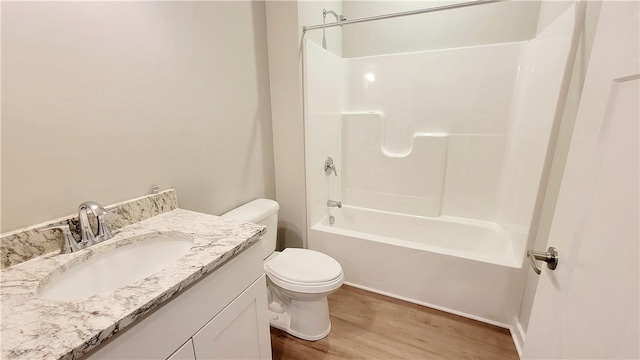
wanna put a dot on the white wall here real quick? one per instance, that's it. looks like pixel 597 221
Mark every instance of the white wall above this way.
pixel 539 95
pixel 478 25
pixel 101 100
pixel 550 11
pixel 283 35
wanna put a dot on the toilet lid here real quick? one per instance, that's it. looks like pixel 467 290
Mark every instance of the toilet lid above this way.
pixel 304 266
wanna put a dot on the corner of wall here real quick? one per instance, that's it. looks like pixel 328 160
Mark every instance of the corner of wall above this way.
pixel 284 39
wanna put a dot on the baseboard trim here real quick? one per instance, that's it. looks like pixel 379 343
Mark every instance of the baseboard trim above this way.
pixel 441 308
pixel 518 334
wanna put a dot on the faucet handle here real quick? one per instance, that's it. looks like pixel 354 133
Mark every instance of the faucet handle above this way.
pixel 87 237
pixel 104 232
pixel 70 244
pixel 329 167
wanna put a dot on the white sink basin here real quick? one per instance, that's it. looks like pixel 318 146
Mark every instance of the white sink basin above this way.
pixel 117 267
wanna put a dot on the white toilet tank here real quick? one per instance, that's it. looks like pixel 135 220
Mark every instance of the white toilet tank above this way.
pixel 263 212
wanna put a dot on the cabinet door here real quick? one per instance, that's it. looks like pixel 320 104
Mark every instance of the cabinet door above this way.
pixel 239 331
pixel 184 353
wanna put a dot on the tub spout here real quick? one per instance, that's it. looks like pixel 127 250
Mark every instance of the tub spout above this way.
pixel 333 203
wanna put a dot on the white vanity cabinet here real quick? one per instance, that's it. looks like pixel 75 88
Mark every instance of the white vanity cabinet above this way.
pixel 222 316
pixel 186 352
pixel 236 333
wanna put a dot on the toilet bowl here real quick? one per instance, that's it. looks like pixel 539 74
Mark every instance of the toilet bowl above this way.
pixel 298 280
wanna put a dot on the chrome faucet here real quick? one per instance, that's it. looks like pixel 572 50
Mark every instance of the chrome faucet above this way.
pixel 333 203
pixel 87 237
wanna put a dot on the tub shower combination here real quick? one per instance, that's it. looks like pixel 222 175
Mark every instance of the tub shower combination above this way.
pixel 437 163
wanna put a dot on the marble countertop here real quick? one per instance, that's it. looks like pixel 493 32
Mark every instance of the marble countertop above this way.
pixel 37 328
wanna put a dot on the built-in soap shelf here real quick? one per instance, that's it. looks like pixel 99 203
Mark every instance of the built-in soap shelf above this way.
pixel 364 121
pixel 374 177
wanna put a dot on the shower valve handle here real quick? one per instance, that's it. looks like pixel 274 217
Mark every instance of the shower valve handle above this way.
pixel 329 167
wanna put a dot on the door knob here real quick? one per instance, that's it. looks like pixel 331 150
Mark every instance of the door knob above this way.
pixel 550 257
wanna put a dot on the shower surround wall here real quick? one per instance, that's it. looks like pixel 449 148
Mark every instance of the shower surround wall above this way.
pixel 419 133
pixel 437 113
pixel 325 79
pixel 447 147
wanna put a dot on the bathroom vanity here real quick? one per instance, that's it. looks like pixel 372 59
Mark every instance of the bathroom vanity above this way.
pixel 222 316
pixel 211 303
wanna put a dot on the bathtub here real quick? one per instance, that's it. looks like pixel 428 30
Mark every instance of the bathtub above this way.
pixel 463 266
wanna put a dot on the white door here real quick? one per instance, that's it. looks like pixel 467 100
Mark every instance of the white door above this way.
pixel 588 306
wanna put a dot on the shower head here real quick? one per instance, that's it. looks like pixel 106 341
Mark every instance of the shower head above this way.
pixel 338 16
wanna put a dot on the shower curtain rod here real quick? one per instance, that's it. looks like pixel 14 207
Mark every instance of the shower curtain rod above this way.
pixel 398 14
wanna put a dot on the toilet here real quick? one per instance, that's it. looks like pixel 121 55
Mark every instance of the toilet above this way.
pixel 298 280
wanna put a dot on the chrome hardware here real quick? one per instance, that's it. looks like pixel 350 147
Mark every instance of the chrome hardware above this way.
pixel 87 237
pixel 154 189
pixel 343 21
pixel 70 244
pixel 338 17
pixel 332 220
pixel 104 233
pixel 330 167
pixel 550 257
pixel 86 233
pixel 333 203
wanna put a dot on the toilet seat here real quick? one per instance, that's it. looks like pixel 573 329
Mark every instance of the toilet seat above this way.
pixel 305 271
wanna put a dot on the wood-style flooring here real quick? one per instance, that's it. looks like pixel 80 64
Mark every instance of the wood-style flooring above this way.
pixel 366 325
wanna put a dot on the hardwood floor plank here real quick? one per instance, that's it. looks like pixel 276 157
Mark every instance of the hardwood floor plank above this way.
pixel 366 325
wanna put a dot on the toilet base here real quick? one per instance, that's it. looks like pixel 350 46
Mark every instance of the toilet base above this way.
pixel 306 317
pixel 283 322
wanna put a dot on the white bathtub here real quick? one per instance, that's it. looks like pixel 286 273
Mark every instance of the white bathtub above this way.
pixel 462 266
